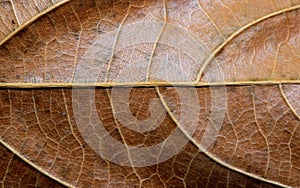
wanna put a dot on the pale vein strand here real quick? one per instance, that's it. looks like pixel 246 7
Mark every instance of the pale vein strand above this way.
pixel 36 5
pixel 15 13
pixel 7 170
pixel 235 34
pixel 78 43
pixel 207 153
pixel 260 130
pixel 297 115
pixel 210 175
pixel 115 43
pixel 211 20
pixel 231 12
pixel 76 137
pixel 157 40
pixel 122 136
pixel 35 109
pixel 278 49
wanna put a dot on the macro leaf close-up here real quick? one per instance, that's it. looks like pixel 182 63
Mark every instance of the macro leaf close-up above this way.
pixel 144 93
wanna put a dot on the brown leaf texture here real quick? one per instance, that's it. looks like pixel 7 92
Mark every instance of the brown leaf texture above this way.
pixel 15 173
pixel 16 15
pixel 221 77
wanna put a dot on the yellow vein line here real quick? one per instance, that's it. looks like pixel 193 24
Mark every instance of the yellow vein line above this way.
pixel 210 155
pixel 227 179
pixel 233 128
pixel 37 181
pixel 32 20
pixel 212 56
pixel 156 43
pixel 188 169
pixel 142 84
pixel 210 176
pixel 232 14
pixel 77 139
pixel 38 119
pixel 279 46
pixel 10 108
pixel 296 114
pixel 211 20
pixel 37 5
pixel 121 134
pixel 115 43
pixel 78 43
pixel 6 171
pixel 260 130
pixel 15 12
pixel 287 102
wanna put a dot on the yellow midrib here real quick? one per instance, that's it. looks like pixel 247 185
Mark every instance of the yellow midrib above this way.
pixel 143 84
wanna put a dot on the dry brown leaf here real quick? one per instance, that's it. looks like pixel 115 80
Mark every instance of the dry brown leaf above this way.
pixel 243 132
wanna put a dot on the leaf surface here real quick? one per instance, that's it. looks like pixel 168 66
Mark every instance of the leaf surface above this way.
pixel 233 66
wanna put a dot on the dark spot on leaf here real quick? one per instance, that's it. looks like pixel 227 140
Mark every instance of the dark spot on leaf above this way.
pixel 220 52
pixel 3 80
